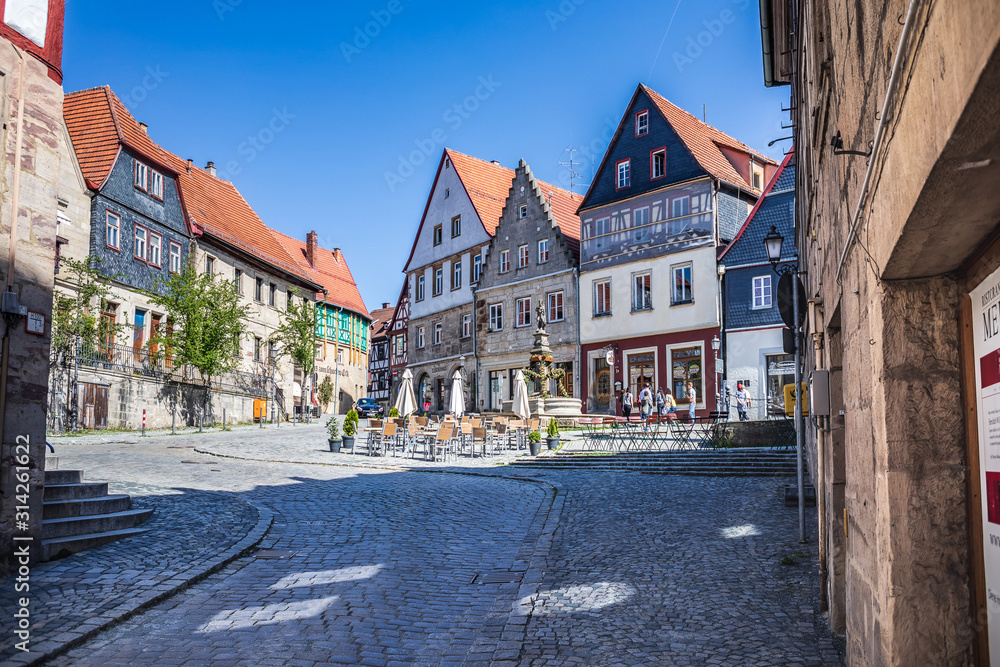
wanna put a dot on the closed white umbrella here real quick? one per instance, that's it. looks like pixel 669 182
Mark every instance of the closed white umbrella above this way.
pixel 406 402
pixel 521 407
pixel 457 403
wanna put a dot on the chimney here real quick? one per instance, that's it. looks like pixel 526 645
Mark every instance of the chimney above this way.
pixel 190 164
pixel 210 168
pixel 385 304
pixel 144 128
pixel 337 255
pixel 312 247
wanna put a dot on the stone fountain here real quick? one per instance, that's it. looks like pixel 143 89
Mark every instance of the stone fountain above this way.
pixel 541 372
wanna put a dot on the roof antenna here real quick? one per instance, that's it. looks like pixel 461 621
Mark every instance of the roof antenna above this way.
pixel 704 114
pixel 573 175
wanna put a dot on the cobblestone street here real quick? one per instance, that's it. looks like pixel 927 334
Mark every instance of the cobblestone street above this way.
pixel 391 564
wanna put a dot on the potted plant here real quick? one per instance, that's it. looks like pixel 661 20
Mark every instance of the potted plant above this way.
pixel 535 442
pixel 393 413
pixel 333 434
pixel 553 435
pixel 350 428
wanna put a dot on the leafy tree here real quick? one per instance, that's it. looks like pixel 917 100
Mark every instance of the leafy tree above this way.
pixel 326 391
pixel 296 336
pixel 208 322
pixel 78 316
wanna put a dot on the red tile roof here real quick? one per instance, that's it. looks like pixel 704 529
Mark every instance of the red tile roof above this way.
pixel 563 205
pixel 381 319
pixel 488 185
pixel 331 271
pixel 98 125
pixel 702 140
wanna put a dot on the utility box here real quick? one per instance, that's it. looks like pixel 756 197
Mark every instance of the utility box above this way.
pixel 819 393
pixel 790 400
pixel 259 409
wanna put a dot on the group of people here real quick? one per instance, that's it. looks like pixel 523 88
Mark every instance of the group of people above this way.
pixel 667 405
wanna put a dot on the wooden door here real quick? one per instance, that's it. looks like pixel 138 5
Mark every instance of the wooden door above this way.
pixel 154 332
pixel 93 408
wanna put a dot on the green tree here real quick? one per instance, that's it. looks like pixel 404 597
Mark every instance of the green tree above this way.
pixel 208 322
pixel 296 336
pixel 326 391
pixel 77 316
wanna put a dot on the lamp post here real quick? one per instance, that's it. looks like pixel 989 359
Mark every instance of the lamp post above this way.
pixel 772 244
pixel 716 346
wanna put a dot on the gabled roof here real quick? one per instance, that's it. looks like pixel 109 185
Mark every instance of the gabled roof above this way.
pixel 486 183
pixel 381 319
pixel 330 271
pixel 749 240
pixel 562 205
pixel 701 140
pixel 99 125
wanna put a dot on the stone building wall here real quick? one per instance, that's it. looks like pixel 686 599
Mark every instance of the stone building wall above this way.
pixel 437 362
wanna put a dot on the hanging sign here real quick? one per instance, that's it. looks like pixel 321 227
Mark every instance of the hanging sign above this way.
pixel 986 336
pixel 609 357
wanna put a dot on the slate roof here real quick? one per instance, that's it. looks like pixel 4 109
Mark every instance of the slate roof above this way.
pixel 381 318
pixel 775 207
pixel 331 271
pixel 703 141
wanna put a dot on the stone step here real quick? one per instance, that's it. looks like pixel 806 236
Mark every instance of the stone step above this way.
pixel 64 546
pixel 75 491
pixel 701 472
pixel 640 464
pixel 61 509
pixel 100 523
pixel 63 477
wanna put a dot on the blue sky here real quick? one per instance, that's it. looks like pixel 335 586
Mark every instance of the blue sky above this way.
pixel 323 126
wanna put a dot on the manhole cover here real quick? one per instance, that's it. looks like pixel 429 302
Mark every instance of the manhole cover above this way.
pixel 498 577
pixel 274 554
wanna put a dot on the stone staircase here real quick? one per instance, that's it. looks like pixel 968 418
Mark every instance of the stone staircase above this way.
pixel 79 515
pixel 756 462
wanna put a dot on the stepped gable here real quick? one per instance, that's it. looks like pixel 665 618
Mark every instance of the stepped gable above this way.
pixel 330 271
pixel 563 205
pixel 703 141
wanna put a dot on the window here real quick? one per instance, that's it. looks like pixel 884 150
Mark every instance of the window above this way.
pixel 319 351
pixel 438 329
pixel 522 256
pixel 641 123
pixel 420 288
pixel 156 184
pixel 256 348
pixel 477 268
pixel 523 309
pixel 258 291
pixel 543 251
pixel 602 297
pixel 466 326
pixel 141 236
pixel 602 228
pixel 496 317
pixel 340 360
pixel 682 206
pixel 642 296
pixel 447 192
pixel 762 292
pixel 113 226
pixel 686 367
pixel 438 281
pixel 437 235
pixel 175 257
pixel 238 280
pixel 640 224
pixel 624 169
pixel 210 266
pixel 456 226
pixel 420 337
pixel 682 284
pixel 141 175
pixel 555 303
pixel 271 294
pixel 504 261
pixel 456 276
pixel 522 211
pixel 155 249
pixel 758 177
pixel 658 163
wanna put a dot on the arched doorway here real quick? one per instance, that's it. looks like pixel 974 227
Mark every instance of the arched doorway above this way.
pixel 424 393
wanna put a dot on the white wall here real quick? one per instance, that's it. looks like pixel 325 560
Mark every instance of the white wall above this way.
pixel 745 360
pixel 663 318
pixel 440 212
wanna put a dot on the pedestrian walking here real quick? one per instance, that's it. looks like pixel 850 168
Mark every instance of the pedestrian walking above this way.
pixel 742 402
pixel 627 403
pixel 661 401
pixel 669 404
pixel 692 396
pixel 646 405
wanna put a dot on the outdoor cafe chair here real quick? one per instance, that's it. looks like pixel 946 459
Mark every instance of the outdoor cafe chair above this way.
pixel 381 442
pixel 465 438
pixel 443 442
pixel 480 438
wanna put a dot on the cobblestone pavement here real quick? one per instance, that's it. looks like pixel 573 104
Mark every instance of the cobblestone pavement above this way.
pixel 613 569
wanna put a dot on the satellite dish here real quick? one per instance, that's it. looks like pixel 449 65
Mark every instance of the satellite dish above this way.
pixel 609 357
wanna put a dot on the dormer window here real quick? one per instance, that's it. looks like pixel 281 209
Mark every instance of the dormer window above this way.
pixel 641 123
pixel 141 176
pixel 758 178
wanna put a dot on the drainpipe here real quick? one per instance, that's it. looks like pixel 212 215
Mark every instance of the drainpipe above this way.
pixel 475 339
pixel 14 208
pixel 579 348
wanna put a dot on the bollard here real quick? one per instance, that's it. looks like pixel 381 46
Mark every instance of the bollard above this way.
pixel 173 421
pixel 201 421
pixel 144 423
pixel 224 419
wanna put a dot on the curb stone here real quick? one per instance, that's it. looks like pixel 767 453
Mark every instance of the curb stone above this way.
pixel 165 590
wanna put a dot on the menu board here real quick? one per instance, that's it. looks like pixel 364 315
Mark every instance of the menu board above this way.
pixel 986 336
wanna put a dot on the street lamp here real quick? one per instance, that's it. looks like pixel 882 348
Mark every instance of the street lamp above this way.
pixel 716 346
pixel 772 244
